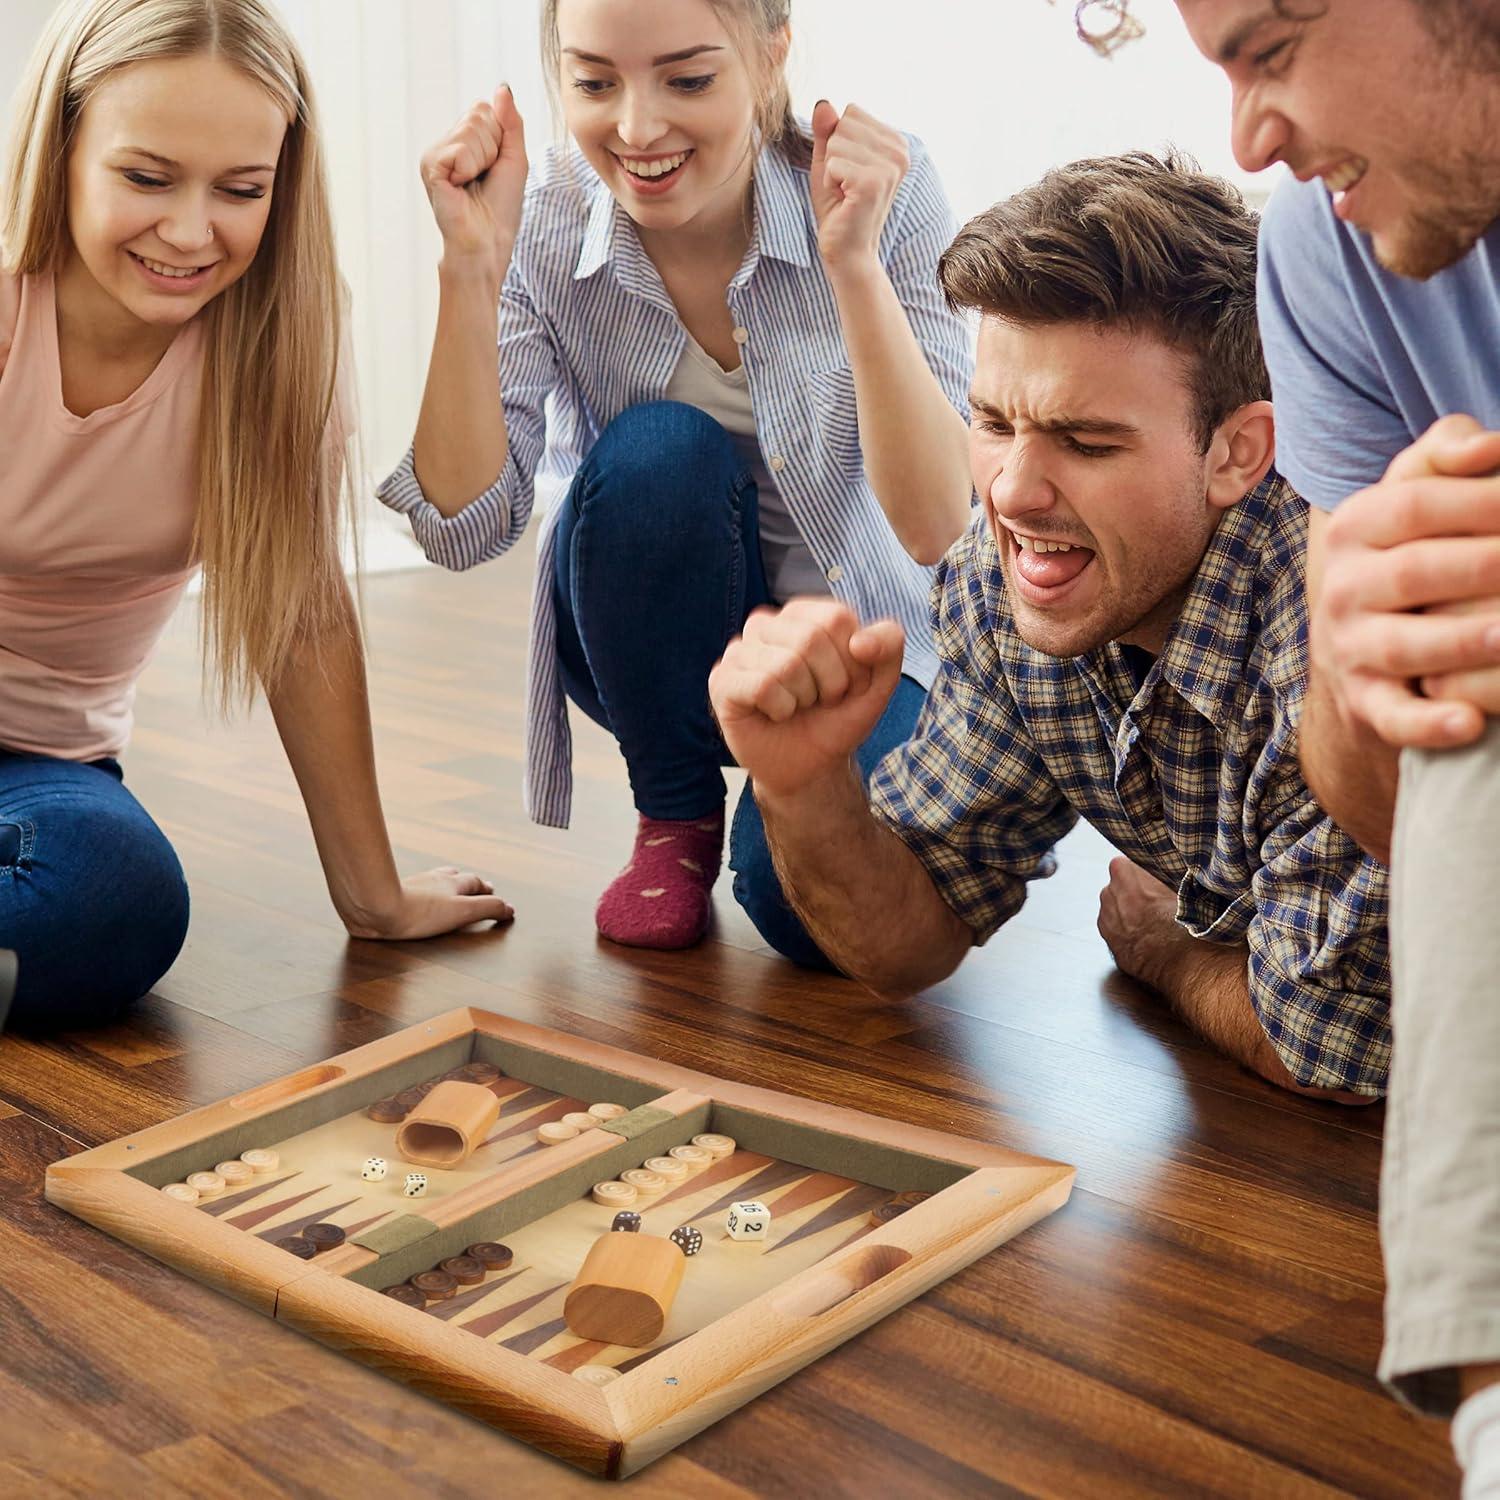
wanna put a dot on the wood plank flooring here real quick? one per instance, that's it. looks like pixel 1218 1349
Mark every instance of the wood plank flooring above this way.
pixel 1202 1320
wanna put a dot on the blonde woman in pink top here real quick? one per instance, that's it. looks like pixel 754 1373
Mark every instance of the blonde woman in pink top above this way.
pixel 169 399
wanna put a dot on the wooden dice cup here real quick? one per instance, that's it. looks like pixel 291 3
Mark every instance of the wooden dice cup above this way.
pixel 447 1125
pixel 624 1289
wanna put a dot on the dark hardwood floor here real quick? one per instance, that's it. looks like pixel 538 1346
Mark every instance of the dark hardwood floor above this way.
pixel 1202 1319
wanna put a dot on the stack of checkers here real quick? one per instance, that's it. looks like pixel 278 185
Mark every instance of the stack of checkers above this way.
pixel 642 1184
pixel 575 1122
pixel 199 1185
pixel 444 1280
pixel 313 1240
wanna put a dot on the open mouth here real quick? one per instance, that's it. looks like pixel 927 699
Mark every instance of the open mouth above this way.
pixel 654 174
pixel 1342 180
pixel 163 273
pixel 1045 569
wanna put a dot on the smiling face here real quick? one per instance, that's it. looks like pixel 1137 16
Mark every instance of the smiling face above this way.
pixel 1083 451
pixel 1399 124
pixel 169 185
pixel 662 104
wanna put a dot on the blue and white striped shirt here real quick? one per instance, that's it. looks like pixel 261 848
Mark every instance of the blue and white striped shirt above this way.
pixel 586 324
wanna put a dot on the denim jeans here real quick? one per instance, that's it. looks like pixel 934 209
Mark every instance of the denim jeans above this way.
pixel 657 565
pixel 92 897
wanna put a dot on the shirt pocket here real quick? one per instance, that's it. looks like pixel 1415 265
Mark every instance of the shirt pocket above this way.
pixel 1212 916
pixel 835 415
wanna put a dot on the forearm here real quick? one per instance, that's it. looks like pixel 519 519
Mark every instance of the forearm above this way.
pixel 461 443
pixel 321 708
pixel 1351 772
pixel 915 444
pixel 864 897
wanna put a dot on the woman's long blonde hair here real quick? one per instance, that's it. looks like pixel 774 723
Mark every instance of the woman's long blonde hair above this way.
pixel 270 462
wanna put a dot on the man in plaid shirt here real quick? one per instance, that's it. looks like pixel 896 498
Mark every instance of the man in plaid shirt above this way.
pixel 1123 638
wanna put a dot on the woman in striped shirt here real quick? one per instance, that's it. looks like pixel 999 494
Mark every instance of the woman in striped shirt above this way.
pixel 726 332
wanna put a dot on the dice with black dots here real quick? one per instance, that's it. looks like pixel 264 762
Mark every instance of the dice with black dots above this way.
pixel 374 1169
pixel 416 1184
pixel 748 1222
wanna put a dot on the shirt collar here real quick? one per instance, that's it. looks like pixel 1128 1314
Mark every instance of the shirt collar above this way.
pixel 783 226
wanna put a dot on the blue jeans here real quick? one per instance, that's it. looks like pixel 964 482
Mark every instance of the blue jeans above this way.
pixel 92 896
pixel 657 565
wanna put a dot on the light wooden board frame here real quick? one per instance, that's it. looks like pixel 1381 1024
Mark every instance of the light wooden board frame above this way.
pixel 613 1431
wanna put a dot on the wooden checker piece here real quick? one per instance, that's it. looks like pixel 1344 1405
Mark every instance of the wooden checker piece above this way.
pixel 615 1194
pixel 408 1295
pixel 695 1158
pixel 324 1236
pixel 235 1173
pixel 581 1120
pixel 648 1184
pixel 606 1112
pixel 715 1145
pixel 492 1256
pixel 295 1244
pixel 482 1073
pixel 674 1171
pixel 180 1192
pixel 207 1184
pixel 464 1269
pixel 435 1286
pixel 387 1112
pixel 260 1161
pixel 410 1098
pixel 893 1208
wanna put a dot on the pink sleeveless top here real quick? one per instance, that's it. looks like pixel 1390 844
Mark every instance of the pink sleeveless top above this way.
pixel 96 522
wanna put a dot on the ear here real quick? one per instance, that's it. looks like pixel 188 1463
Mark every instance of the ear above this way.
pixel 1241 454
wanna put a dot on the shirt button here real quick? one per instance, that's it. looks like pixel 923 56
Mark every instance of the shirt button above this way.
pixel 778 463
pixel 741 335
pixel 834 574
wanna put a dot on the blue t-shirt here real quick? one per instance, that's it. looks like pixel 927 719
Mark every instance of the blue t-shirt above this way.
pixel 1362 361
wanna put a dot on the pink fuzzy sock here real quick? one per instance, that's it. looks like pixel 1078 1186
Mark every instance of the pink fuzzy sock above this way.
pixel 661 898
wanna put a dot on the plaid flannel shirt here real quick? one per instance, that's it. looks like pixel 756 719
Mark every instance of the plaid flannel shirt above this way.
pixel 1193 775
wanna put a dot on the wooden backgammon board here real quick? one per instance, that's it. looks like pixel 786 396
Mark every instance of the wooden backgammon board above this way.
pixel 866 1214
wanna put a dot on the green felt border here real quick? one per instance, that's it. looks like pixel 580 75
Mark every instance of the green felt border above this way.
pixel 823 1150
pixel 303 1114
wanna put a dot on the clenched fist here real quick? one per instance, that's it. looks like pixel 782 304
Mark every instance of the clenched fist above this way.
pixel 1409 590
pixel 857 165
pixel 476 179
pixel 800 691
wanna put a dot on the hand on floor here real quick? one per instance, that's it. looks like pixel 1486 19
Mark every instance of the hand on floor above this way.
pixel 433 903
pixel 1138 919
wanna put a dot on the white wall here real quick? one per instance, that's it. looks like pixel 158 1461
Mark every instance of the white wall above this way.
pixel 999 90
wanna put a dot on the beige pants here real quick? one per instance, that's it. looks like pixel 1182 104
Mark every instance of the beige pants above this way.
pixel 1440 1182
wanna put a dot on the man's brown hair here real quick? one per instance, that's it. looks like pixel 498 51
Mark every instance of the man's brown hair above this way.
pixel 1148 244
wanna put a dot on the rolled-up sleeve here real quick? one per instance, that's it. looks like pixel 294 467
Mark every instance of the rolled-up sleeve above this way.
pixel 1319 969
pixel 969 794
pixel 491 523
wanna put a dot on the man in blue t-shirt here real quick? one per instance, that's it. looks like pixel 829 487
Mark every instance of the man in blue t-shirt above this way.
pixel 1380 314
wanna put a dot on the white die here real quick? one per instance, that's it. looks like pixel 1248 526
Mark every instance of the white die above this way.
pixel 374 1169
pixel 748 1221
pixel 416 1184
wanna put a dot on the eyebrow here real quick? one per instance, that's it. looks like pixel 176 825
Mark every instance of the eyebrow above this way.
pixel 1232 45
pixel 1095 426
pixel 656 62
pixel 166 161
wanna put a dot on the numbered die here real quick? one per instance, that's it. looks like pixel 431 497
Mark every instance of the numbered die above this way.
pixel 748 1221
pixel 374 1169
pixel 416 1184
